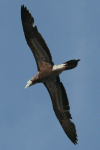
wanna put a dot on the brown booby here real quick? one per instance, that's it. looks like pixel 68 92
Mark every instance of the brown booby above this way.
pixel 48 74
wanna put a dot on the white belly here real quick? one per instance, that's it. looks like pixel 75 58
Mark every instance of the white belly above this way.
pixel 56 70
pixel 59 67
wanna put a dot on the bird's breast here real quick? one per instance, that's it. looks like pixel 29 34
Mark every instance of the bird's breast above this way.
pixel 48 74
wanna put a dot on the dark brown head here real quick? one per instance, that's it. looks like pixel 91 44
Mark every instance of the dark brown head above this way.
pixel 33 80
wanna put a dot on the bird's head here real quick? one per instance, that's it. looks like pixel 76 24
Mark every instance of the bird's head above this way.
pixel 33 80
pixel 30 82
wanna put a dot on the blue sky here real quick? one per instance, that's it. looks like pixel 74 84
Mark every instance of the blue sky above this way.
pixel 71 30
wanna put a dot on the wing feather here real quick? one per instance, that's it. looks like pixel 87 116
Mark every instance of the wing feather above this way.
pixel 61 106
pixel 35 40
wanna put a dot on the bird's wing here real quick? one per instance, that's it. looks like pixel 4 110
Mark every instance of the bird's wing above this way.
pixel 35 40
pixel 61 106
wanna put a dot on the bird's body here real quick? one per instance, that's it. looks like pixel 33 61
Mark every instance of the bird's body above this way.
pixel 48 74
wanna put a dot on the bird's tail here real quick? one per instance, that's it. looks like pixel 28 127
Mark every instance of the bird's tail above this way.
pixel 71 64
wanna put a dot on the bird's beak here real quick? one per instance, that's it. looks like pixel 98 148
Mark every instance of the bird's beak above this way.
pixel 28 84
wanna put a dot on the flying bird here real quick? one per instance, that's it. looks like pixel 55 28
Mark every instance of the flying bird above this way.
pixel 48 73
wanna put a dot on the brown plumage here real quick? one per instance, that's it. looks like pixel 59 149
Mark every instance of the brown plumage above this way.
pixel 48 74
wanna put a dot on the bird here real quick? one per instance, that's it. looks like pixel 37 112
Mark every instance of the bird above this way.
pixel 48 73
